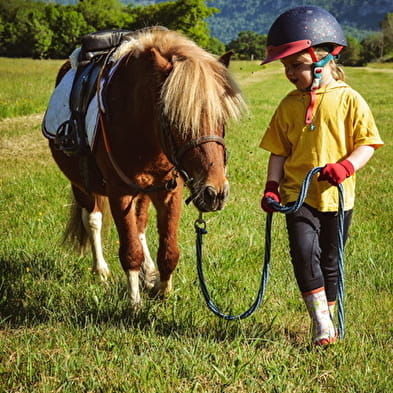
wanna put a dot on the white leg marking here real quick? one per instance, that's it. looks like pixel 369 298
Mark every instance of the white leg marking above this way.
pixel 133 288
pixel 93 225
pixel 149 272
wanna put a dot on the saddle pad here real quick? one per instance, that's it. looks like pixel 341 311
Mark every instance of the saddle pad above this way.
pixel 59 111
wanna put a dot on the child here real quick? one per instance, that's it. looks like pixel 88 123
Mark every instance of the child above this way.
pixel 323 123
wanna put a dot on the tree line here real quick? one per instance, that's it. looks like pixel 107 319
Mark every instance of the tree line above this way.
pixel 376 47
pixel 39 29
pixel 47 30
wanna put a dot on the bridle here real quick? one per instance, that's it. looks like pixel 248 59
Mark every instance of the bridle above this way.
pixel 176 153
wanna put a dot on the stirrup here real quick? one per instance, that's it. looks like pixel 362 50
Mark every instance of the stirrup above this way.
pixel 68 140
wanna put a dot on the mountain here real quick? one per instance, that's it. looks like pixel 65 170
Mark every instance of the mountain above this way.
pixel 359 18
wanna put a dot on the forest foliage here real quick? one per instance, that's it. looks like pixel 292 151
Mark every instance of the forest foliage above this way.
pixel 43 29
pixel 359 18
pixel 48 30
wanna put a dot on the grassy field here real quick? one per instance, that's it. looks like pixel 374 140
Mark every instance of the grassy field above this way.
pixel 61 330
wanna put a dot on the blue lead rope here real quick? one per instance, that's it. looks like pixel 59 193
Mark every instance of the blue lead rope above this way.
pixel 200 229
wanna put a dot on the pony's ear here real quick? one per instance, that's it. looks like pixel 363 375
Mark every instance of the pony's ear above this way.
pixel 226 58
pixel 161 63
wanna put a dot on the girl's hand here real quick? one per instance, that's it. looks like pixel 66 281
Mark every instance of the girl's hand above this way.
pixel 271 191
pixel 336 173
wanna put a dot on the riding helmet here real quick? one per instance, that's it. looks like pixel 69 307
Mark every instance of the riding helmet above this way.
pixel 300 28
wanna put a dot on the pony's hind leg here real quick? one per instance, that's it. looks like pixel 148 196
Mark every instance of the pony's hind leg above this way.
pixel 148 273
pixel 92 208
pixel 93 224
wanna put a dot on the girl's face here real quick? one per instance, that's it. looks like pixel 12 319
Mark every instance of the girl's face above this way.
pixel 298 70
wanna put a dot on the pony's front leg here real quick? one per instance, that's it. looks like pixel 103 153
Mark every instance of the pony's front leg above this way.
pixel 93 225
pixel 168 216
pixel 130 249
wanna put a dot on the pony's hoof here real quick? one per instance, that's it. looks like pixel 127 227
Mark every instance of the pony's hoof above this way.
pixel 161 290
pixel 155 293
pixel 102 274
pixel 136 308
pixel 148 281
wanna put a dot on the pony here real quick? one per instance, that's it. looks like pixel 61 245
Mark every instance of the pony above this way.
pixel 161 128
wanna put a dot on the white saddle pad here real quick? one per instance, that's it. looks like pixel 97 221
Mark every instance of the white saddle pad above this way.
pixel 58 110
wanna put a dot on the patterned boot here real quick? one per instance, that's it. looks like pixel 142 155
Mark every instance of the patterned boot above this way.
pixel 324 332
pixel 332 307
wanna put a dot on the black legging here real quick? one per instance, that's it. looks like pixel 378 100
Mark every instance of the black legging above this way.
pixel 313 239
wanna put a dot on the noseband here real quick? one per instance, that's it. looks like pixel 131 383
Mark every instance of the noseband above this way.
pixel 191 145
pixel 176 154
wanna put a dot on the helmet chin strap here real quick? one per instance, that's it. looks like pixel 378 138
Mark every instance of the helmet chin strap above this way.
pixel 317 68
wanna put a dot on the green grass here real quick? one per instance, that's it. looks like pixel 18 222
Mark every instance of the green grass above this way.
pixel 63 331
pixel 25 85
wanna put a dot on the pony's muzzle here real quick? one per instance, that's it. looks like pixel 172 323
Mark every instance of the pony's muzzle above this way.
pixel 210 199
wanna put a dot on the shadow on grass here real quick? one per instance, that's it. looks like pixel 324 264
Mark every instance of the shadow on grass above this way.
pixel 37 290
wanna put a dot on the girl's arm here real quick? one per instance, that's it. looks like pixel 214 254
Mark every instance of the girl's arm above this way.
pixel 360 156
pixel 336 173
pixel 275 168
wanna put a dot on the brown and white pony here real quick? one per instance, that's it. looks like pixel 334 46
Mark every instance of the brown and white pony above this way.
pixel 166 107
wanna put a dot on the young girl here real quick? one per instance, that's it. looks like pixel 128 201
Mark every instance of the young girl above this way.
pixel 323 123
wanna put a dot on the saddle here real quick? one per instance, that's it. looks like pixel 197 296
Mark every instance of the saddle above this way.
pixel 93 58
pixel 71 136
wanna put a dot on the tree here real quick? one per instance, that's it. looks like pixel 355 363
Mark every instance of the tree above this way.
pixel 68 26
pixel 190 18
pixel 186 16
pixel 373 47
pixel 248 45
pixel 104 14
pixel 215 46
pixel 352 54
pixel 28 34
pixel 387 33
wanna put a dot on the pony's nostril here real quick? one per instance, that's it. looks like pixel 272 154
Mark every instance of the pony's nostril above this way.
pixel 210 194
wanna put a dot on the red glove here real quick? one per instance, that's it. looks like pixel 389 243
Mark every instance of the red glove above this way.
pixel 271 191
pixel 336 173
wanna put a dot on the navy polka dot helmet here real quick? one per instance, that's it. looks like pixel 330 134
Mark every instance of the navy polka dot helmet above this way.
pixel 300 28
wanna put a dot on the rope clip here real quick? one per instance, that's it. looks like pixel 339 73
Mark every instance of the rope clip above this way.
pixel 200 225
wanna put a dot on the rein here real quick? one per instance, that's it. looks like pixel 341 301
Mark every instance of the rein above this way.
pixel 200 229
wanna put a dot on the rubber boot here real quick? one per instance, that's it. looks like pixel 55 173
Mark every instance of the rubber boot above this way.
pixel 332 307
pixel 323 331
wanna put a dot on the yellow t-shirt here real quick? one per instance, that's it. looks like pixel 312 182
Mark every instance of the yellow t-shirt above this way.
pixel 343 121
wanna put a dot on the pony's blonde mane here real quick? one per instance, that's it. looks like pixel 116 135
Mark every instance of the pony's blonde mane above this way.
pixel 199 96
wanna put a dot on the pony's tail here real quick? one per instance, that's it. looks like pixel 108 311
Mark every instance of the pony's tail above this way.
pixel 75 234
